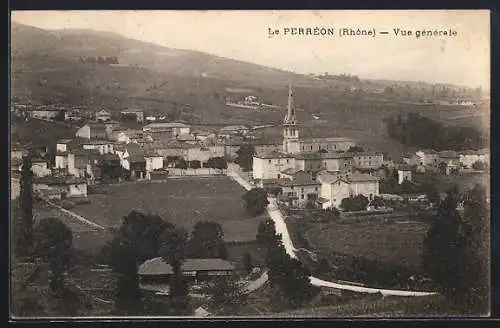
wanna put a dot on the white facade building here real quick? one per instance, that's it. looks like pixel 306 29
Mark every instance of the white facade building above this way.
pixel 335 187
pixel 269 165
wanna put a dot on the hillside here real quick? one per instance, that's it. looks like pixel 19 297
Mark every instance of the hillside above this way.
pixel 71 43
pixel 46 69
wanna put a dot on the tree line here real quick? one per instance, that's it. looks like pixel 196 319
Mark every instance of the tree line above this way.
pixel 98 60
pixel 419 131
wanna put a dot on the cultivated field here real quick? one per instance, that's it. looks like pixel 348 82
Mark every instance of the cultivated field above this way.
pixel 85 237
pixel 184 202
pixel 397 242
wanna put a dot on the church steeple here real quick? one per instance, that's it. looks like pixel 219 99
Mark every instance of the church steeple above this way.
pixel 290 128
pixel 290 114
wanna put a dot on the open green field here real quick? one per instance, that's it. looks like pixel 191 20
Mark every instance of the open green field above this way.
pixel 184 202
pixel 396 241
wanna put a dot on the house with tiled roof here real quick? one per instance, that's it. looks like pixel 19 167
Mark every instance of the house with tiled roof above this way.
pixel 80 162
pixel 367 160
pixel 101 145
pixel 336 186
pixel 102 115
pixel 270 164
pixel 157 271
pixel 93 130
pixel 299 188
pixel 65 186
pixel 427 157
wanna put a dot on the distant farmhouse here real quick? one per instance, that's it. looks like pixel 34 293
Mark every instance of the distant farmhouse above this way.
pixel 102 116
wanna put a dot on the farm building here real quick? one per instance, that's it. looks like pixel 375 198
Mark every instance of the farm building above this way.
pixel 158 271
pixel 172 129
pixel 67 186
pixel 47 113
pixel 137 115
pixel 92 131
pixel 102 116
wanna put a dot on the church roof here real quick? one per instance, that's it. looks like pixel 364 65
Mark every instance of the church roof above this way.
pixel 323 155
pixel 326 139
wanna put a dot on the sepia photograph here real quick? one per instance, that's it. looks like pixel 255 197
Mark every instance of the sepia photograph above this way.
pixel 249 164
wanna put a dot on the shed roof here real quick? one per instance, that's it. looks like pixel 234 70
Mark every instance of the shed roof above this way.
pixel 158 266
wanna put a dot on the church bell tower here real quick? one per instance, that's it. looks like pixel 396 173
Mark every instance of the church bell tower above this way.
pixel 290 126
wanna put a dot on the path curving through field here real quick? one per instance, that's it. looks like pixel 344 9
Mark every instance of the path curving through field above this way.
pixel 281 228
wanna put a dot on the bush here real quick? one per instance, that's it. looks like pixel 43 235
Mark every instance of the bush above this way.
pixel 354 203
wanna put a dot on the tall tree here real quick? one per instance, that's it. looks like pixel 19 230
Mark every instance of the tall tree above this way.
pixel 53 243
pixel 128 297
pixel 207 241
pixel 137 240
pixel 25 239
pixel 456 250
pixel 255 201
pixel 245 157
pixel 173 251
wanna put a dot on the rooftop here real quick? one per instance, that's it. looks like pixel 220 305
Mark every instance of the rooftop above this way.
pixel 327 139
pixel 301 179
pixel 428 151
pixel 158 266
pixel 448 154
pixel 323 155
pixel 347 177
pixel 60 180
pixel 273 154
pixel 165 125
pixel 234 128
pixel 64 141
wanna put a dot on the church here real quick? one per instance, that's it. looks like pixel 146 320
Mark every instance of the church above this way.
pixel 293 144
pixel 326 160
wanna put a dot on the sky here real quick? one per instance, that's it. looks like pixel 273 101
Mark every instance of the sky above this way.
pixel 463 59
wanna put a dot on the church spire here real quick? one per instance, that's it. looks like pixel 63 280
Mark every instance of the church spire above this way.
pixel 290 115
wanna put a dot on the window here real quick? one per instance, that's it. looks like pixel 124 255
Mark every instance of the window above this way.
pixel 269 161
pixel 287 160
pixel 315 188
pixel 326 147
pixel 311 147
pixel 302 196
pixel 292 188
pixel 334 146
pixel 301 189
pixel 279 176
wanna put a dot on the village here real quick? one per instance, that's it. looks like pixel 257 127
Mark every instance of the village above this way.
pixel 319 170
pixel 299 175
